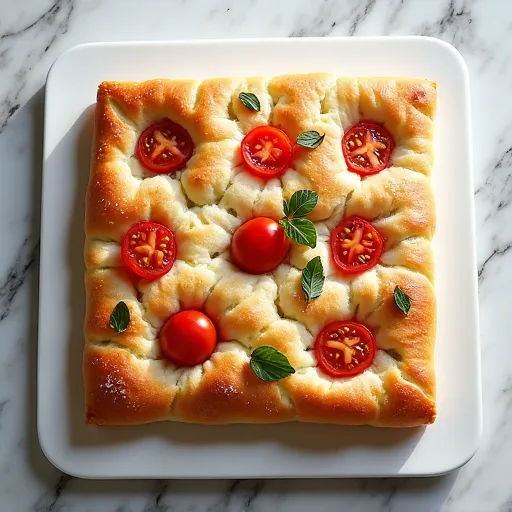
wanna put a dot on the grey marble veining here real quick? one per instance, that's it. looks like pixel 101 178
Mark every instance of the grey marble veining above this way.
pixel 34 32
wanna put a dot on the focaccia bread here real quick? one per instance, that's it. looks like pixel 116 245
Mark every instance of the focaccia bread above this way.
pixel 127 378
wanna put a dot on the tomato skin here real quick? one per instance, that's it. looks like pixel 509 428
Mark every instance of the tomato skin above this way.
pixel 259 245
pixel 345 333
pixel 277 157
pixel 133 239
pixel 369 246
pixel 188 338
pixel 371 135
pixel 169 132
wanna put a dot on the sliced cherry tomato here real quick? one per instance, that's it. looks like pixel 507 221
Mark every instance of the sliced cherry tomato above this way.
pixel 356 245
pixel 149 249
pixel 344 349
pixel 267 151
pixel 367 148
pixel 259 245
pixel 164 147
pixel 188 338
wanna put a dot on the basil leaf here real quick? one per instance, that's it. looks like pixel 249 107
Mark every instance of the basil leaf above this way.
pixel 286 209
pixel 250 101
pixel 312 280
pixel 310 139
pixel 301 203
pixel 301 231
pixel 269 364
pixel 120 317
pixel 402 300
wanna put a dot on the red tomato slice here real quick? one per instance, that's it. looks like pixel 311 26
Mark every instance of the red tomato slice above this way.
pixel 267 151
pixel 164 147
pixel 367 148
pixel 149 249
pixel 344 349
pixel 259 245
pixel 188 338
pixel 356 245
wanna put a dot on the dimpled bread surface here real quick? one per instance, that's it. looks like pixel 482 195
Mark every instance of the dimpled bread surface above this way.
pixel 128 381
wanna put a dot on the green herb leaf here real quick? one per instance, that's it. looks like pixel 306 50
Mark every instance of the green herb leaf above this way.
pixel 286 209
pixel 402 300
pixel 250 101
pixel 301 231
pixel 295 227
pixel 301 203
pixel 120 317
pixel 313 278
pixel 310 139
pixel 269 364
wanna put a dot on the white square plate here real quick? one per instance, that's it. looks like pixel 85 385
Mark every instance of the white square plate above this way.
pixel 175 450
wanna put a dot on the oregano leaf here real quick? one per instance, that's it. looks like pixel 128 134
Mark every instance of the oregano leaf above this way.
pixel 269 364
pixel 120 317
pixel 310 140
pixel 312 280
pixel 301 203
pixel 300 230
pixel 402 300
pixel 250 101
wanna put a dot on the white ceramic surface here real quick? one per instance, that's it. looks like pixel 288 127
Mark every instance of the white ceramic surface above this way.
pixel 173 450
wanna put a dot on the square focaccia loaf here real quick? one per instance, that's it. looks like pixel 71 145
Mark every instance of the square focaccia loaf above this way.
pixel 179 153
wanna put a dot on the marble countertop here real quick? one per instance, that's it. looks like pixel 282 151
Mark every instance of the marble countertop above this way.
pixel 33 33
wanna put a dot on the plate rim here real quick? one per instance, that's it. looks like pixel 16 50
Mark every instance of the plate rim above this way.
pixel 442 45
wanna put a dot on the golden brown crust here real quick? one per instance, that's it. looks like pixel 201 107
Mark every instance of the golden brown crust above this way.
pixel 410 337
pixel 405 107
pixel 227 392
pixel 403 404
pixel 317 399
pixel 121 389
pixel 126 379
